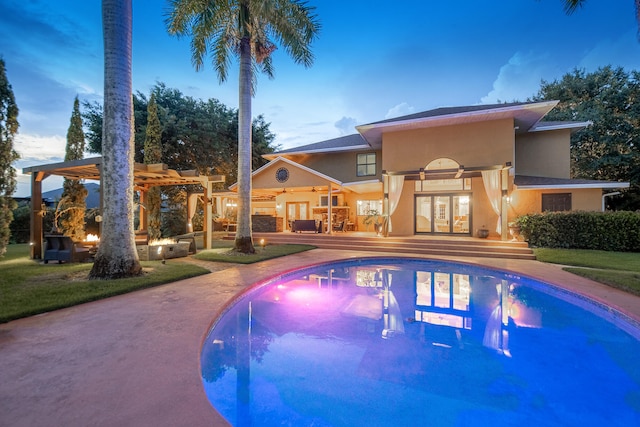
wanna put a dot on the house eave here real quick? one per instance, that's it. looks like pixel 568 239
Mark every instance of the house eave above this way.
pixel 273 156
pixel 525 117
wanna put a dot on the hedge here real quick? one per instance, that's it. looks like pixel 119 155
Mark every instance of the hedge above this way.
pixel 607 231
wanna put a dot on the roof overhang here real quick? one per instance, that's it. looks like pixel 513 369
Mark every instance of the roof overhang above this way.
pixel 525 116
pixel 522 182
pixel 573 126
pixel 319 151
pixel 144 175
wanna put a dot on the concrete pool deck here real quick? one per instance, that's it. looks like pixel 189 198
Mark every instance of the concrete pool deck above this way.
pixel 132 360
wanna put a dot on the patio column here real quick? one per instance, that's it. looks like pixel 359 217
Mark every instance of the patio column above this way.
pixel 207 226
pixel 505 205
pixel 329 211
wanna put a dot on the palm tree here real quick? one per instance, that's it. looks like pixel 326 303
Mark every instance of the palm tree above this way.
pixel 249 30
pixel 572 5
pixel 117 256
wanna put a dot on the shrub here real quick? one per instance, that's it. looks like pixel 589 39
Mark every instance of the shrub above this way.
pixel 608 231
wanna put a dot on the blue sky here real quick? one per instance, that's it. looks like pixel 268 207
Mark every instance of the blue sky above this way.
pixel 373 60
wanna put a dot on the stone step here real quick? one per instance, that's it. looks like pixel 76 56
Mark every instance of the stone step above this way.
pixel 453 246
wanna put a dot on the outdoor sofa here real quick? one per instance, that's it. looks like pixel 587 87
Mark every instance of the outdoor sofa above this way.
pixel 62 248
pixel 300 225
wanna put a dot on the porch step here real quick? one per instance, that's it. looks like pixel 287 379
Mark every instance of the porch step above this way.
pixel 427 245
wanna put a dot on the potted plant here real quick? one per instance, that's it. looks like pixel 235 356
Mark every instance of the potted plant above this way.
pixel 373 217
pixel 514 230
pixel 483 232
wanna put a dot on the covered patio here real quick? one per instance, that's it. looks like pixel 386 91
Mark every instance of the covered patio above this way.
pixel 145 177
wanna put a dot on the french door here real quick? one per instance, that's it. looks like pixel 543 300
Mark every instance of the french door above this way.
pixel 443 214
pixel 297 210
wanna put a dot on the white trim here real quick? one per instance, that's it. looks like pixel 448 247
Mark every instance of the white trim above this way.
pixel 541 127
pixel 573 186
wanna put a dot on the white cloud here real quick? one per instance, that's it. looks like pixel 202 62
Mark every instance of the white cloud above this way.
pixel 346 125
pixel 40 149
pixel 399 110
pixel 37 150
pixel 520 78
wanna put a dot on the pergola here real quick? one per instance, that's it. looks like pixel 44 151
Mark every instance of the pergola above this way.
pixel 145 177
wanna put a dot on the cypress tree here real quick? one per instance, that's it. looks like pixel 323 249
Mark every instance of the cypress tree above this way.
pixel 72 205
pixel 8 129
pixel 153 154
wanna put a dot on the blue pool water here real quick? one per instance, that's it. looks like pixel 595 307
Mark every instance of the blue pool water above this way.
pixel 403 342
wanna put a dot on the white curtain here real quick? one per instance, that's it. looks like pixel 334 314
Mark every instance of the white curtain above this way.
pixel 192 204
pixel 492 186
pixel 396 182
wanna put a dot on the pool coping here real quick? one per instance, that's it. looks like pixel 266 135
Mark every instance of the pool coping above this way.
pixel 133 359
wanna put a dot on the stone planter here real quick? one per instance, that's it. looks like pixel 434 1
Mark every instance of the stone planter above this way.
pixel 514 231
pixel 483 233
pixel 160 252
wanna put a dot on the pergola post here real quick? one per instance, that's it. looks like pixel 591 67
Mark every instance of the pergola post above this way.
pixel 35 234
pixel 143 214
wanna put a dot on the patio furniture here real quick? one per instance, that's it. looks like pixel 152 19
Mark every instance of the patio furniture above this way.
pixel 339 226
pixel 62 248
pixel 300 225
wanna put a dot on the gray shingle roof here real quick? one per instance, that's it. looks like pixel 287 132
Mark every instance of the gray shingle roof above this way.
pixel 343 142
pixel 445 111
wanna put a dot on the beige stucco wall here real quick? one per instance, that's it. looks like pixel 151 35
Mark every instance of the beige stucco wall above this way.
pixel 341 166
pixel 297 177
pixel 473 144
pixel 530 201
pixel 544 154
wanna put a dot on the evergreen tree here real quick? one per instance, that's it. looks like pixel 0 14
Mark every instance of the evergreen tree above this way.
pixel 72 205
pixel 8 129
pixel 607 149
pixel 153 154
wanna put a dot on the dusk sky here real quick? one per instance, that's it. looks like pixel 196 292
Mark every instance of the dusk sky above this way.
pixel 373 60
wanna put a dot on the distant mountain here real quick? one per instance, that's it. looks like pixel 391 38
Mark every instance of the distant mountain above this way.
pixel 93 196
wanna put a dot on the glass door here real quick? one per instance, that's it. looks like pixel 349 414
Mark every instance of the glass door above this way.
pixel 443 213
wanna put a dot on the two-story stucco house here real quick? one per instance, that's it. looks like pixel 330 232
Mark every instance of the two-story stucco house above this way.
pixel 448 171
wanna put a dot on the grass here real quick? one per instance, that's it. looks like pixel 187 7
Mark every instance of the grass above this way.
pixel 28 287
pixel 222 252
pixel 617 269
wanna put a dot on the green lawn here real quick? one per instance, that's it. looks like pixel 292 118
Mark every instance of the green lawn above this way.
pixel 29 287
pixel 617 269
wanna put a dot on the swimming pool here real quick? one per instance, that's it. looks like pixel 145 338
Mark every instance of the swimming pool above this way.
pixel 400 342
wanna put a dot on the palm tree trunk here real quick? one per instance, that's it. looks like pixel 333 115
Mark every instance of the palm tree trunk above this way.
pixel 243 241
pixel 117 256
